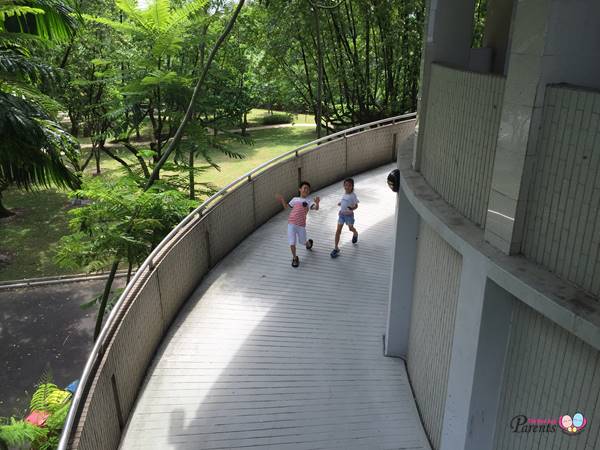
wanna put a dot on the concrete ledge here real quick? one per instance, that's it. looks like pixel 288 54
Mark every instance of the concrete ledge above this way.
pixel 59 279
pixel 569 307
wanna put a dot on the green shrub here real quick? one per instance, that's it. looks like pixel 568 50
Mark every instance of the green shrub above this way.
pixel 47 398
pixel 277 119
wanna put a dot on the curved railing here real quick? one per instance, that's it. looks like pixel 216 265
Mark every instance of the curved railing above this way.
pixel 116 366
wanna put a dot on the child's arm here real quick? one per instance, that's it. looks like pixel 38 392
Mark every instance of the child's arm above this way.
pixel 352 208
pixel 316 205
pixel 281 200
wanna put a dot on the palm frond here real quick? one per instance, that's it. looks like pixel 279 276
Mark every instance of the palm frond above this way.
pixel 207 157
pixel 31 94
pixel 15 63
pixel 33 146
pixel 51 19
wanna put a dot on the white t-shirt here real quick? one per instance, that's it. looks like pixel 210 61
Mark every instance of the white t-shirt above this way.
pixel 348 200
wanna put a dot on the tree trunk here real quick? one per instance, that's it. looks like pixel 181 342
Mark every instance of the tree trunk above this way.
pixel 190 109
pixel 3 211
pixel 105 295
pixel 97 155
pixel 87 161
pixel 319 100
pixel 244 123
pixel 192 181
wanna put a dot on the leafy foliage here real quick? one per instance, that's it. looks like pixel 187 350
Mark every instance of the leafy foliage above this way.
pixel 47 398
pixel 479 23
pixel 48 19
pixel 277 118
pixel 18 433
pixel 34 146
pixel 121 222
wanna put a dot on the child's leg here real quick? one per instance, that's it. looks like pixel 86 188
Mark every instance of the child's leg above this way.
pixel 292 238
pixel 338 233
pixel 301 231
pixel 354 232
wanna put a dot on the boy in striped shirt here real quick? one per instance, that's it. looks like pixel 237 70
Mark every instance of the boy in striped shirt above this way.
pixel 297 218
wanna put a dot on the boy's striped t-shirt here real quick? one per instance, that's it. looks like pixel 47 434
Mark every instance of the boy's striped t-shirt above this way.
pixel 300 207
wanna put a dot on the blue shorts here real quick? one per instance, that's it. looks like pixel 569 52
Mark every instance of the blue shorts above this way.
pixel 348 220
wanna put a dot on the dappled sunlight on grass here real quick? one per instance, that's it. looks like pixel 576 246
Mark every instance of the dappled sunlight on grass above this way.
pixel 27 240
pixel 27 237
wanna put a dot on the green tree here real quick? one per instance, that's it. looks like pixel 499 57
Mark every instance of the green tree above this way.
pixel 153 82
pixel 121 223
pixel 350 61
pixel 33 146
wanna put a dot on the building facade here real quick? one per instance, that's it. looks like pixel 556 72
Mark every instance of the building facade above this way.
pixel 496 274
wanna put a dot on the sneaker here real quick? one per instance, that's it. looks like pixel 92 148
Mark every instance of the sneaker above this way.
pixel 309 244
pixel 334 253
pixel 295 262
pixel 355 238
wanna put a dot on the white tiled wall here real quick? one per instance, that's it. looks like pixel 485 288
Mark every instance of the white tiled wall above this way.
pixel 562 227
pixel 463 116
pixel 549 373
pixel 437 280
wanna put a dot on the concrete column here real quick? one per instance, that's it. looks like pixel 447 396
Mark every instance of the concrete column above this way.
pixel 551 41
pixel 497 31
pixel 401 285
pixel 519 123
pixel 478 352
pixel 448 34
pixel 494 337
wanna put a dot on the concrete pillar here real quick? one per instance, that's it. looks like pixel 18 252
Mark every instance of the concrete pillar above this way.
pixel 401 285
pixel 551 41
pixel 478 352
pixel 497 31
pixel 494 338
pixel 448 35
pixel 520 118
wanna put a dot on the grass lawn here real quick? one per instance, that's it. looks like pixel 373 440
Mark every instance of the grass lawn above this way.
pixel 27 239
pixel 267 144
pixel 255 117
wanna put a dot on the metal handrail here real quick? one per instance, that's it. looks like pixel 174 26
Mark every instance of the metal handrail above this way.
pixel 111 322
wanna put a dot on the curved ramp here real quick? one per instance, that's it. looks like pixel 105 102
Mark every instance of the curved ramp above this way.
pixel 270 357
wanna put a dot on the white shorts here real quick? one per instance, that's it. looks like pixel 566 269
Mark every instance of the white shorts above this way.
pixel 295 231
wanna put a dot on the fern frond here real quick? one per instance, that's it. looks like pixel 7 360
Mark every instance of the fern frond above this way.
pixel 118 26
pixel 39 399
pixel 183 14
pixel 157 13
pixel 18 433
pixel 133 12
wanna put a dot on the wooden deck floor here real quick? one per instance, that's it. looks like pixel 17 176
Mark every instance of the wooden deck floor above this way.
pixel 270 357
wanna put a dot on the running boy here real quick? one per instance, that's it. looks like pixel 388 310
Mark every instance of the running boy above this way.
pixel 297 218
pixel 347 205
